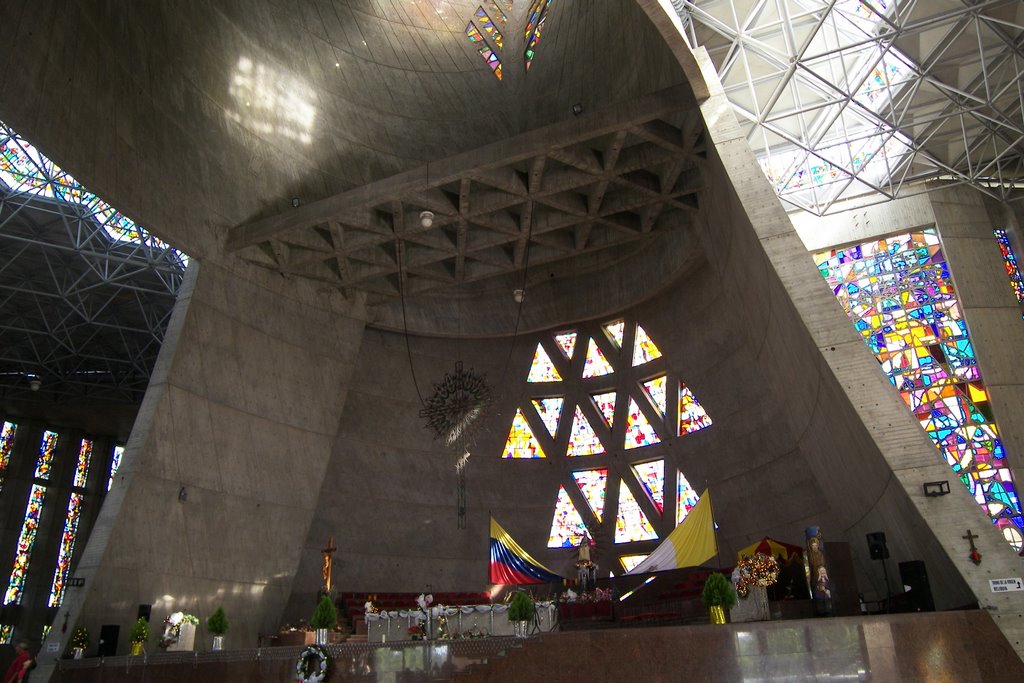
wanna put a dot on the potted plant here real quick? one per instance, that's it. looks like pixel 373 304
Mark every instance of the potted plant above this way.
pixel 325 616
pixel 139 635
pixel 718 596
pixel 521 611
pixel 79 642
pixel 217 625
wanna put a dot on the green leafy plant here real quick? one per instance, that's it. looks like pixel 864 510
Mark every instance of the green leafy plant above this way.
pixel 217 624
pixel 80 638
pixel 140 631
pixel 522 608
pixel 718 592
pixel 325 615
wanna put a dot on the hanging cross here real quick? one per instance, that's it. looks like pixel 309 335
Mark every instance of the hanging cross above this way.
pixel 970 538
pixel 327 563
pixel 974 555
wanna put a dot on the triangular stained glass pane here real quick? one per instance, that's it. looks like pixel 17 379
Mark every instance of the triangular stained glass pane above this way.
pixel 521 443
pixel 592 485
pixel 615 331
pixel 606 404
pixel 567 527
pixel 631 524
pixel 644 349
pixel 596 365
pixel 550 410
pixel 630 561
pixel 639 431
pixel 652 476
pixel 566 342
pixel 686 498
pixel 542 369
pixel 692 416
pixel 582 439
pixel 657 390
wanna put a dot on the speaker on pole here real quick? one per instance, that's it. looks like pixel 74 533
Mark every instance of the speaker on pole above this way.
pixel 915 581
pixel 877 547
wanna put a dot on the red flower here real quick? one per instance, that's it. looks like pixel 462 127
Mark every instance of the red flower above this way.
pixel 975 556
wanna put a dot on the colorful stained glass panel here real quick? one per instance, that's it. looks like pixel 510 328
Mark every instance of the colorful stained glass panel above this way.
pixel 692 416
pixel 534 23
pixel 615 332
pixel 644 349
pixel 26 541
pixel 652 476
pixel 82 464
pixel 899 293
pixel 484 22
pixel 686 498
pixel 596 365
pixel 6 634
pixel 115 464
pixel 567 527
pixel 631 561
pixel 566 342
pixel 631 524
pixel 498 12
pixel 593 484
pixel 550 410
pixel 582 439
pixel 606 404
pixel 10 430
pixel 542 369
pixel 66 552
pixel 521 443
pixel 45 460
pixel 657 390
pixel 1010 262
pixel 639 431
pixel 490 57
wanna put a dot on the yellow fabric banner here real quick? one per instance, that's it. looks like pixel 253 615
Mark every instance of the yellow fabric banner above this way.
pixel 690 544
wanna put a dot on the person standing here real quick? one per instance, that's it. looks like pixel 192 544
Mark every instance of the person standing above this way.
pixel 19 668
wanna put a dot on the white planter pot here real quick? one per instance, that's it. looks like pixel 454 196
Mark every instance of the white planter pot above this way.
pixel 218 643
pixel 321 636
pixel 77 652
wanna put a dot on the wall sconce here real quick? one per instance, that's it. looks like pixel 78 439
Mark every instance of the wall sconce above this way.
pixel 933 489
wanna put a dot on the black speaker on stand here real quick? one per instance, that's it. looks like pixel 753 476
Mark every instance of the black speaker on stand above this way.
pixel 919 592
pixel 879 551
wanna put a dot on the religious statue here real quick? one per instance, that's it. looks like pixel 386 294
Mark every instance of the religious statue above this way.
pixel 327 562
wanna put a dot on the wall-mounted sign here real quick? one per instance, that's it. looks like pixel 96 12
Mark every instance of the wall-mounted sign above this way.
pixel 1006 585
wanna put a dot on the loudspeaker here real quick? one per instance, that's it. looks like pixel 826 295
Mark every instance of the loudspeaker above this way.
pixel 919 596
pixel 877 547
pixel 145 611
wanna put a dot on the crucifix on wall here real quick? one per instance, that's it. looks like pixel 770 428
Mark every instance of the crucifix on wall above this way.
pixel 328 561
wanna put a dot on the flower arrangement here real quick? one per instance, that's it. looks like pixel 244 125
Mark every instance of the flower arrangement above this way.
pixel 80 638
pixel 140 631
pixel 424 601
pixel 718 592
pixel 474 632
pixel 172 627
pixel 313 665
pixel 759 570
pixel 416 632
pixel 371 608
pixel 596 595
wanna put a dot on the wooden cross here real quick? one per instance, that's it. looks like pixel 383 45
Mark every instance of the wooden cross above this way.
pixel 970 538
pixel 327 563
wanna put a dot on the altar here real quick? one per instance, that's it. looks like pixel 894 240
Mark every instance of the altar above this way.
pixel 465 620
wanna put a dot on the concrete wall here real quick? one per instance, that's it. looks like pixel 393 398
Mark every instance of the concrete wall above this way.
pixel 219 479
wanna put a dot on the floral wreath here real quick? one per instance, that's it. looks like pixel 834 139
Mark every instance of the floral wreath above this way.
pixel 759 570
pixel 312 665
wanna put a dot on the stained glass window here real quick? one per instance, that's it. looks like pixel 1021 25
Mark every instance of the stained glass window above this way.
pixel 521 443
pixel 652 476
pixel 582 439
pixel 6 634
pixel 639 431
pixel 606 404
pixel 567 527
pixel 499 13
pixel 115 464
pixel 542 369
pixel 484 22
pixel 490 57
pixel 686 498
pixel 10 430
pixel 615 331
pixel 26 541
pixel 631 561
pixel 592 485
pixel 631 524
pixel 657 390
pixel 67 550
pixel 46 632
pixel 692 416
pixel 535 22
pixel 549 409
pixel 644 349
pixel 566 342
pixel 82 466
pixel 900 295
pixel 1010 261
pixel 596 365
pixel 45 460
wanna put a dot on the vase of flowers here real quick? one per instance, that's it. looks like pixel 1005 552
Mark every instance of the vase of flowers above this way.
pixel 520 612
pixel 718 596
pixel 139 635
pixel 753 575
pixel 79 642
pixel 324 618
pixel 217 625
pixel 416 632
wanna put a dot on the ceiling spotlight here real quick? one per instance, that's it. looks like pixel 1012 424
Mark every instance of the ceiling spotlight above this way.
pixel 577 109
pixel 35 383
pixel 518 295
pixel 426 218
